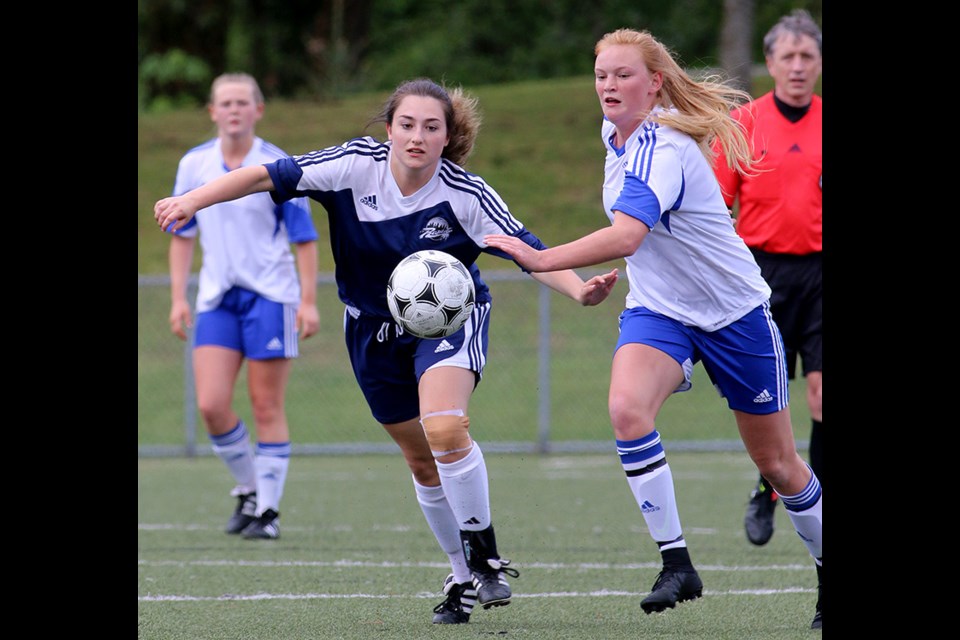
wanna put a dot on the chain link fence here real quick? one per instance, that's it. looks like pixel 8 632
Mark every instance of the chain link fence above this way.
pixel 544 388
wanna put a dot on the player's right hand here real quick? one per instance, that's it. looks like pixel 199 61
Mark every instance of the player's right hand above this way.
pixel 174 212
pixel 180 318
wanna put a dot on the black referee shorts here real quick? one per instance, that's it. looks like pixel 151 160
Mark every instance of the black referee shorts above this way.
pixel 796 305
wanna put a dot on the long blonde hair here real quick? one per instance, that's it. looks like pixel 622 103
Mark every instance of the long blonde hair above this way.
pixel 700 109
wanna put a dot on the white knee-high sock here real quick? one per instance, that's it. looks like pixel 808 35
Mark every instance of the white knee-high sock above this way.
pixel 442 522
pixel 271 462
pixel 651 482
pixel 806 513
pixel 234 449
pixel 468 492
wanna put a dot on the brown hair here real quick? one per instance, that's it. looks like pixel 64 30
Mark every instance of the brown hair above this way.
pixel 460 110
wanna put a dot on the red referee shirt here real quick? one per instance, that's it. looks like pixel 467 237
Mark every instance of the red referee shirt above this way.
pixel 781 207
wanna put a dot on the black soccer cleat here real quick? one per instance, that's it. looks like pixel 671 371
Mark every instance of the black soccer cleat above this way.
pixel 487 567
pixel 456 609
pixel 672 586
pixel 264 527
pixel 492 588
pixel 245 513
pixel 758 520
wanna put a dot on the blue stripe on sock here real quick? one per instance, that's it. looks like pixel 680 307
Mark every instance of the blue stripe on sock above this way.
pixel 806 498
pixel 233 436
pixel 640 450
pixel 274 449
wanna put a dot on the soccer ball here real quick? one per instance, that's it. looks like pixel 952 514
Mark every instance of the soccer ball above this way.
pixel 430 294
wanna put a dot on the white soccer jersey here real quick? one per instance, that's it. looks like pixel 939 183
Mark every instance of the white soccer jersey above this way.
pixel 245 242
pixel 373 226
pixel 692 266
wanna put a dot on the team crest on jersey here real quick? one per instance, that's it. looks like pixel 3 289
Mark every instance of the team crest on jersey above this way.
pixel 436 229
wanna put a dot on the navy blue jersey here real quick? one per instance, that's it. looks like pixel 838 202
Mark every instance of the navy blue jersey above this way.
pixel 373 226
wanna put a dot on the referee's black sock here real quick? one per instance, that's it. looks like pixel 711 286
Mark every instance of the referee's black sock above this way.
pixel 816 449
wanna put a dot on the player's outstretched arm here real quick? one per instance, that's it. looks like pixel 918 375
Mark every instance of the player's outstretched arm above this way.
pixel 604 245
pixel 174 212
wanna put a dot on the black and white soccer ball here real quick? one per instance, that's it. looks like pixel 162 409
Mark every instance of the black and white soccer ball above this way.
pixel 430 294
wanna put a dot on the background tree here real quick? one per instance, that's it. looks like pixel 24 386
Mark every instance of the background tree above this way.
pixel 329 48
pixel 736 42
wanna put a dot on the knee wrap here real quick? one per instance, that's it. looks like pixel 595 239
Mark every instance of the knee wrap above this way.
pixel 446 432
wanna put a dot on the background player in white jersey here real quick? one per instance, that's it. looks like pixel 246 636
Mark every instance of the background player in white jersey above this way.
pixel 695 295
pixel 251 302
pixel 385 201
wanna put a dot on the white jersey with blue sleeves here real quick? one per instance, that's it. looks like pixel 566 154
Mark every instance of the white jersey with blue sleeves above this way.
pixel 692 266
pixel 373 226
pixel 245 242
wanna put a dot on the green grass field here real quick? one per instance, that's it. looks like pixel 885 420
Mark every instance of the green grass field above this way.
pixel 356 559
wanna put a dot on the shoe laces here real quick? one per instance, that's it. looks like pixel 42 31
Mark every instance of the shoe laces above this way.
pixel 454 592
pixel 452 602
pixel 500 565
pixel 667 574
pixel 247 504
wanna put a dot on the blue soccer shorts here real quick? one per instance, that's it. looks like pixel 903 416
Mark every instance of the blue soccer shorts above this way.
pixel 388 362
pixel 247 322
pixel 745 359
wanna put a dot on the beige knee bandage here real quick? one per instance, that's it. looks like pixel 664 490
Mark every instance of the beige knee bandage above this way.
pixel 446 432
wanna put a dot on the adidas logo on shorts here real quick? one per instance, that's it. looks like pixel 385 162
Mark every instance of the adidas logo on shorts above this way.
pixel 763 397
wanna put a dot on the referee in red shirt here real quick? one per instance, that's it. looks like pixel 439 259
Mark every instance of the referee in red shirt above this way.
pixel 780 215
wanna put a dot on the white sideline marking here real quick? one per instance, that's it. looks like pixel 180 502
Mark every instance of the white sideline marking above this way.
pixel 369 596
pixel 441 565
pixel 706 531
pixel 173 527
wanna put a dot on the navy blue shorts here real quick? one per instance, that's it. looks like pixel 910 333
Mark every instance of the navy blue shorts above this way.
pixel 247 322
pixel 745 359
pixel 388 362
